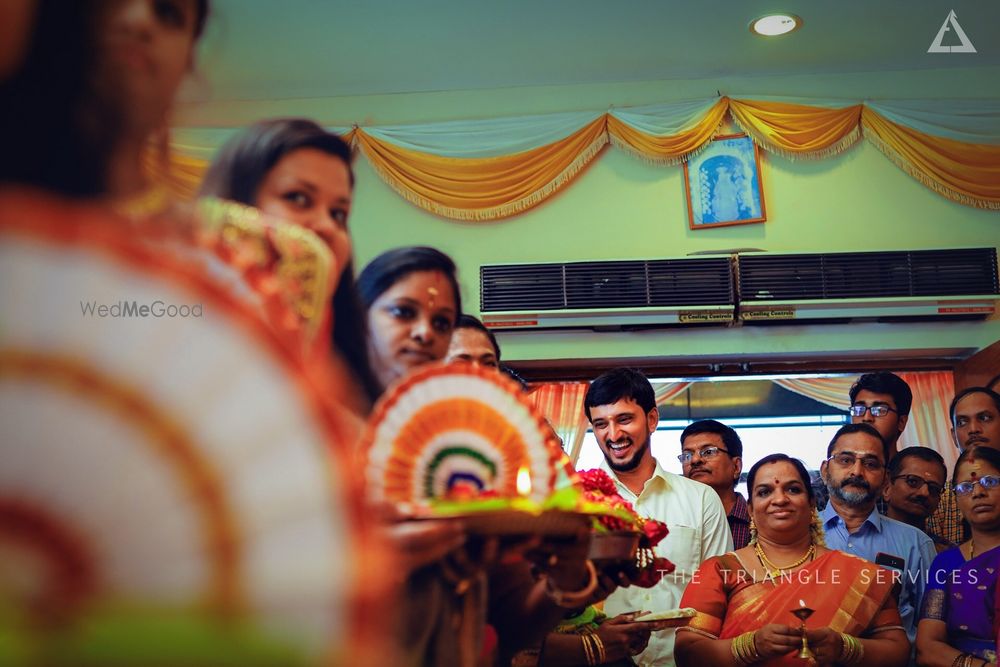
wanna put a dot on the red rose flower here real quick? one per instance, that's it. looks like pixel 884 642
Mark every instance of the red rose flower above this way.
pixel 654 531
pixel 598 480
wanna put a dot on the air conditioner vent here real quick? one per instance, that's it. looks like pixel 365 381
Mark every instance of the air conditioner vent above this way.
pixel 606 285
pixel 857 275
pixel 611 284
pixel 522 287
pixel 689 282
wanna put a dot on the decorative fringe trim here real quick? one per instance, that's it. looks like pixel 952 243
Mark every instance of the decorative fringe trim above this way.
pixel 504 210
pixel 667 161
pixel 928 181
pixel 847 141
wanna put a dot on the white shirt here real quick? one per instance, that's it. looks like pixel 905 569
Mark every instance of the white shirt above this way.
pixel 698 530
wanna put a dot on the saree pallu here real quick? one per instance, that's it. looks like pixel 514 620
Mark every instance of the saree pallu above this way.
pixel 963 594
pixel 848 594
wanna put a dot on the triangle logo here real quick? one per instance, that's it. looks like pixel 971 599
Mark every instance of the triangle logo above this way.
pixel 951 23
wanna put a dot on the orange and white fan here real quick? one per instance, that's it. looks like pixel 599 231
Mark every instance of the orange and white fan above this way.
pixel 159 444
pixel 461 436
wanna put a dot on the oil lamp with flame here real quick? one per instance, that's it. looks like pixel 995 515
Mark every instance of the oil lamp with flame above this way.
pixel 802 612
pixel 523 481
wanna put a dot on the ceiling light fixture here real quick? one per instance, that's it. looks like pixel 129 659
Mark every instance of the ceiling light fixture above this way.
pixel 773 25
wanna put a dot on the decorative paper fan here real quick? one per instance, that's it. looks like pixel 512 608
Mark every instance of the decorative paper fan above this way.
pixel 459 430
pixel 158 444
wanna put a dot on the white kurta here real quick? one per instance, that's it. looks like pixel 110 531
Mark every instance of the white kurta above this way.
pixel 698 530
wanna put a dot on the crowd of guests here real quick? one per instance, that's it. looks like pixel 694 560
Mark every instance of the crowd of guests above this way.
pixel 897 560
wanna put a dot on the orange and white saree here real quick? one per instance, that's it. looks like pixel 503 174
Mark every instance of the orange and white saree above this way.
pixel 848 594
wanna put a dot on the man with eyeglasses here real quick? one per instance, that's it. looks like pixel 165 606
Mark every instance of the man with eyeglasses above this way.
pixel 882 400
pixel 916 482
pixel 712 453
pixel 854 474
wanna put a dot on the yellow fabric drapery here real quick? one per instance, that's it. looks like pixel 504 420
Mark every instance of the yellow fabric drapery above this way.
pixel 562 404
pixel 484 188
pixel 490 188
pixel 797 130
pixel 966 173
pixel 671 149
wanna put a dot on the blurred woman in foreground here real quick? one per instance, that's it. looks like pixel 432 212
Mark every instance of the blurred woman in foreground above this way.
pixel 296 171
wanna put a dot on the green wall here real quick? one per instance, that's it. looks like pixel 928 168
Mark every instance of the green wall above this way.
pixel 622 208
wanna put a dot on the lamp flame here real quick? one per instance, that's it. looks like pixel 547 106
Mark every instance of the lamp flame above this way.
pixel 523 481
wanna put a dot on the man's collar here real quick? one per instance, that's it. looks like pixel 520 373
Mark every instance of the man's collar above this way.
pixel 740 510
pixel 658 471
pixel 829 516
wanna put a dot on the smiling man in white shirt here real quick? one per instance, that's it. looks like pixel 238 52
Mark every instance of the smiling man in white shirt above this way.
pixel 621 407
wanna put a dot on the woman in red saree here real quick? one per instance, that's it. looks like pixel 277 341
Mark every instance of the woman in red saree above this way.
pixel 745 598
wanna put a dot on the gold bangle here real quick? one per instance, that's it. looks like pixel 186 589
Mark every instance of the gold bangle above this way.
pixel 852 650
pixel 744 649
pixel 591 650
pixel 575 598
pixel 602 657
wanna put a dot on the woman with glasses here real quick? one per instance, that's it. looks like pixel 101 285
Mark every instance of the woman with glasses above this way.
pixel 957 625
pixel 745 599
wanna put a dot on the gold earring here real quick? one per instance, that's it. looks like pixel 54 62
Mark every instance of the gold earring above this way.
pixel 753 532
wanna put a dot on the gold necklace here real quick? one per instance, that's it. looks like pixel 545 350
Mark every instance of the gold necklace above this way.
pixel 774 570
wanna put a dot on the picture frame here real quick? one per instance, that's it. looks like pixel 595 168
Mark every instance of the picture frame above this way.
pixel 723 184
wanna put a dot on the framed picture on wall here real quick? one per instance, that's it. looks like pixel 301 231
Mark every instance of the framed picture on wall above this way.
pixel 723 184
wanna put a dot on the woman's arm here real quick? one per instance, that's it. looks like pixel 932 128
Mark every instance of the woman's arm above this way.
pixel 886 648
pixel 691 648
pixel 933 649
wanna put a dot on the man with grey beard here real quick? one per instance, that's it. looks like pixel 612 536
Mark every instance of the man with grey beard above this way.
pixel 854 474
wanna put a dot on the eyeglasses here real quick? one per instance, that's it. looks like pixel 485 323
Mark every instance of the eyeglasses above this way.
pixel 848 459
pixel 986 481
pixel 706 453
pixel 859 409
pixel 916 481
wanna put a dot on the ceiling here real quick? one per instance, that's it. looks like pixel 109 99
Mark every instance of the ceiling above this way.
pixel 261 49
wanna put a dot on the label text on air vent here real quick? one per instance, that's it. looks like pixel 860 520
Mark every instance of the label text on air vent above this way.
pixel 698 316
pixel 508 324
pixel 768 314
pixel 962 310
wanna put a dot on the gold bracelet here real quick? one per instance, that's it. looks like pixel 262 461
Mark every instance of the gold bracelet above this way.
pixel 602 657
pixel 738 649
pixel 592 655
pixel 744 649
pixel 852 650
pixel 576 598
